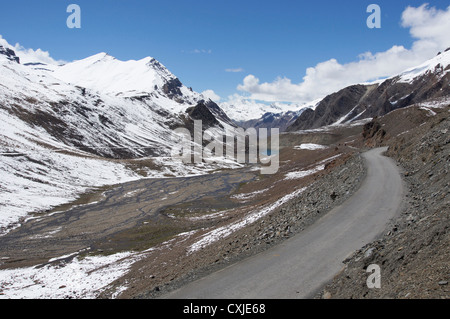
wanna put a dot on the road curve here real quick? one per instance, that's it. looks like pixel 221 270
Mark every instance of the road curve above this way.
pixel 301 265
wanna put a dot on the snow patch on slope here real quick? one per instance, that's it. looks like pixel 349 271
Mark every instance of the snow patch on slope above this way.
pixel 224 231
pixel 310 146
pixel 80 278
pixel 437 64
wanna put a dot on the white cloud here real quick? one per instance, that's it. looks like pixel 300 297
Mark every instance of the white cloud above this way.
pixel 197 51
pixel 210 94
pixel 236 70
pixel 30 55
pixel 428 25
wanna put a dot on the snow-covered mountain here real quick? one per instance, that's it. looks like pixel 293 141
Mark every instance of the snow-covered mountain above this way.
pixel 240 109
pixel 101 105
pixel 248 113
pixel 88 123
pixel 273 120
pixel 427 81
pixel 104 73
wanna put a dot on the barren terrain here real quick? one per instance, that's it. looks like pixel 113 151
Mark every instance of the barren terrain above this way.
pixel 173 231
pixel 413 252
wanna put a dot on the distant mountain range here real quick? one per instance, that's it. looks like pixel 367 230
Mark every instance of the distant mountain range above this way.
pixel 247 113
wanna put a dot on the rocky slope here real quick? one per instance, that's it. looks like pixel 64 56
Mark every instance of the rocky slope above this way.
pixel 413 252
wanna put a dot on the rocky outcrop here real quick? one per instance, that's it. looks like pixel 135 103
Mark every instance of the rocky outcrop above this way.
pixel 202 113
pixel 373 134
pixel 217 112
pixel 10 54
pixel 172 88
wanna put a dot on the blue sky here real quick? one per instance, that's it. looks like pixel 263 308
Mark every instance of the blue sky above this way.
pixel 201 41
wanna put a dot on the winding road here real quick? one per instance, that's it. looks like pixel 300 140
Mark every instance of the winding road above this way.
pixel 301 265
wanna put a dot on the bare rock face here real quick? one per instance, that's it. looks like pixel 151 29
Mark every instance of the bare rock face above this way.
pixel 217 112
pixel 172 88
pixel 373 134
pixel 370 129
pixel 10 54
pixel 201 112
pixel 331 108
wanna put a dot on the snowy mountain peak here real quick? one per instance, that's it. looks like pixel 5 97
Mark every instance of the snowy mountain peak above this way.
pixel 438 64
pixel 99 57
pixel 104 73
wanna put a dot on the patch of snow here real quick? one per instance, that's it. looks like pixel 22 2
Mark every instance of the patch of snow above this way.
pixel 341 120
pixel 239 108
pixel 304 173
pixel 48 234
pixel 224 231
pixel 310 146
pixel 80 278
pixel 437 103
pixel 430 111
pixel 250 195
pixel 301 174
pixel 331 127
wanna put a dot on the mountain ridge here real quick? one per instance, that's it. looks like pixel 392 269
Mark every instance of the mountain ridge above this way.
pixel 361 101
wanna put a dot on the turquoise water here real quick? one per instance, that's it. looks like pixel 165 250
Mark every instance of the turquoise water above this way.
pixel 270 152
